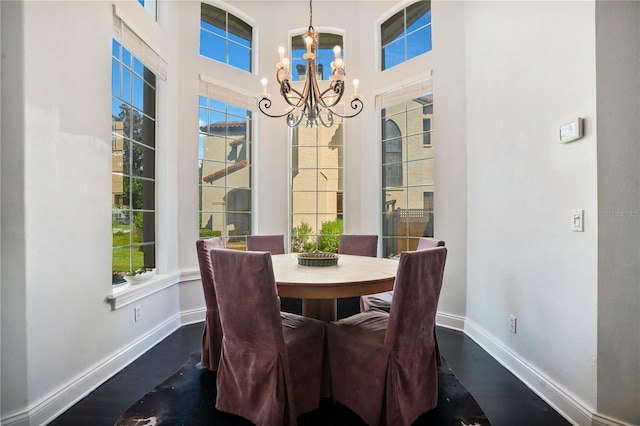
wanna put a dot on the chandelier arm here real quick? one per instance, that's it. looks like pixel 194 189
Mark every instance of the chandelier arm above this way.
pixel 265 103
pixel 356 104
pixel 338 89
pixel 292 121
pixel 329 122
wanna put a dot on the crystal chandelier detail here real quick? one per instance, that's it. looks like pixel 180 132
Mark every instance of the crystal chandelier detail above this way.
pixel 311 104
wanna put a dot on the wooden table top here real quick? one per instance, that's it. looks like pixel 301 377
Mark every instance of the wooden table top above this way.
pixel 352 276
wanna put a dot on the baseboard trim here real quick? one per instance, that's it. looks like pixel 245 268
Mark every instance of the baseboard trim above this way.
pixel 55 403
pixel 193 316
pixel 454 322
pixel 567 405
pixel 602 420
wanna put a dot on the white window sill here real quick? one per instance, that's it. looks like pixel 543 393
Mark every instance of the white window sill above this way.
pixel 125 294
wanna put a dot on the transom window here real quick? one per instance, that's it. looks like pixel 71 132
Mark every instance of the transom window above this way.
pixel 224 151
pixel 406 34
pixel 133 142
pixel 225 38
pixel 407 175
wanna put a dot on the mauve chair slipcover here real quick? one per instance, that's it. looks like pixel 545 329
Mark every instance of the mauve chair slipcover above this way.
pixel 382 300
pixel 212 335
pixel 360 245
pixel 379 359
pixel 274 244
pixel 270 368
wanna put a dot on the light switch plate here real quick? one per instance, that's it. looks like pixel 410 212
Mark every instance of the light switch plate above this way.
pixel 577 220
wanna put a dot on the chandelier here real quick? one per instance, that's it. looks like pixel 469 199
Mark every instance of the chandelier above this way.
pixel 311 104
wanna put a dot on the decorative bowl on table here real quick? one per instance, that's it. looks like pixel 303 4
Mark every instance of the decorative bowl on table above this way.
pixel 317 258
pixel 140 276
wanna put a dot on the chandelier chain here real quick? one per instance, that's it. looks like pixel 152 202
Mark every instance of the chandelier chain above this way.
pixel 310 14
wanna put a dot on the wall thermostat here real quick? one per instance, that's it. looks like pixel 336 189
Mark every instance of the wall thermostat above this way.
pixel 571 131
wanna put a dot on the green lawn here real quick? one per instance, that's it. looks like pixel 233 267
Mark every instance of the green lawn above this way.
pixel 120 256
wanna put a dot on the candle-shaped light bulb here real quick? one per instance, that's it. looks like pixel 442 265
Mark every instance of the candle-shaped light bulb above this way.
pixel 264 82
pixel 339 63
pixel 285 65
pixel 281 52
pixel 336 50
pixel 308 41
pixel 356 84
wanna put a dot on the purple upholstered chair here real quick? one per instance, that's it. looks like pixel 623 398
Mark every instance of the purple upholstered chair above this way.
pixel 382 301
pixel 212 336
pixel 274 244
pixel 271 367
pixel 360 245
pixel 380 359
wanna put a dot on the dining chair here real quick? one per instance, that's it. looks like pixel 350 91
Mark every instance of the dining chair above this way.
pixel 382 300
pixel 359 245
pixel 212 335
pixel 383 365
pixel 274 244
pixel 271 363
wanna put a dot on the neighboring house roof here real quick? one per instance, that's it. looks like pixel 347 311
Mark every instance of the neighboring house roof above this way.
pixel 222 125
pixel 224 172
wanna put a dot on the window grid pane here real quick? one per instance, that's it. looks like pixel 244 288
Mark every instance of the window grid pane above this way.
pixel 407 176
pixel 224 154
pixel 133 165
pixel 316 174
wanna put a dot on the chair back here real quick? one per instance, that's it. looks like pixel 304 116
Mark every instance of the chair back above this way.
pixel 254 368
pixel 410 336
pixel 212 336
pixel 360 245
pixel 426 242
pixel 274 244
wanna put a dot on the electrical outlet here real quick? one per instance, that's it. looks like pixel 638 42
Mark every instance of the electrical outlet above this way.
pixel 137 313
pixel 512 323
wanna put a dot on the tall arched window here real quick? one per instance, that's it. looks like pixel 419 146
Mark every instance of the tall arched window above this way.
pixel 406 34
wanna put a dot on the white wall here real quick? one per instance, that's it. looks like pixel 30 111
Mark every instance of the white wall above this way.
pixel 618 77
pixel 529 69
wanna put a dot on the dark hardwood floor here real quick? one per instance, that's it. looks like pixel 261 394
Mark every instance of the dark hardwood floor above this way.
pixel 504 399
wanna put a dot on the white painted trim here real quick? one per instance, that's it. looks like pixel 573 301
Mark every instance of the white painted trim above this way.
pixel 127 294
pixel 567 405
pixel 193 316
pixel 602 420
pixel 56 402
pixel 454 322
pixel 190 275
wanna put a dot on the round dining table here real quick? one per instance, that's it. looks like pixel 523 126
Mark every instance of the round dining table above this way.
pixel 320 286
